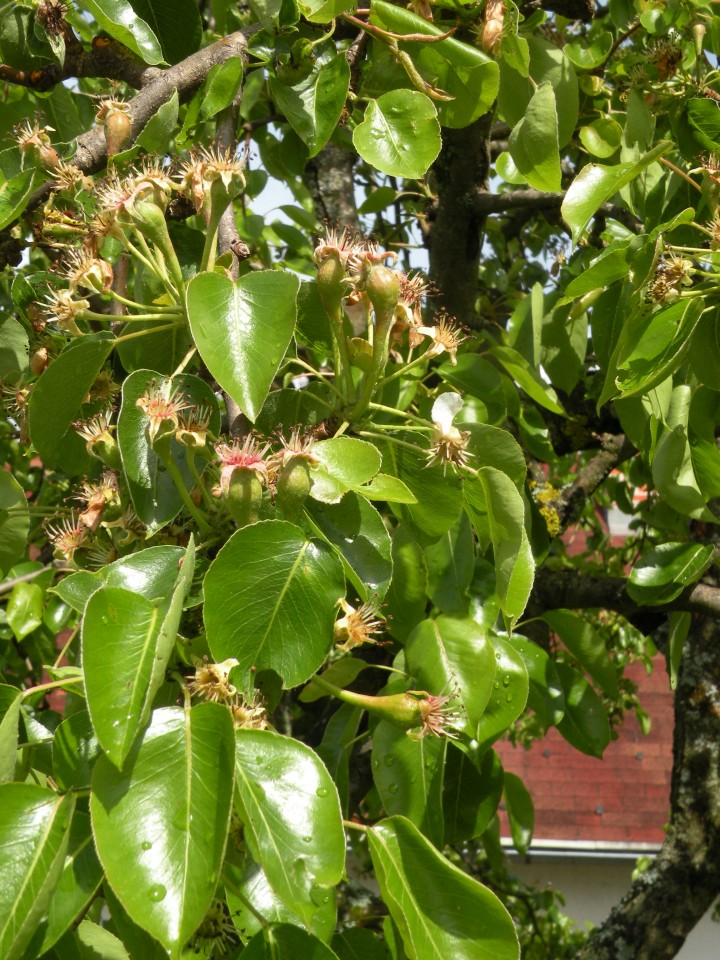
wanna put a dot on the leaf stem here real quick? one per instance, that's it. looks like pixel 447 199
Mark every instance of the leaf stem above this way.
pixel 387 439
pixel 399 413
pixel 145 333
pixel 172 469
pixel 66 647
pixel 31 691
pixel 351 825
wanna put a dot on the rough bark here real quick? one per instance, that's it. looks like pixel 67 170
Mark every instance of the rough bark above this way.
pixel 459 174
pixel 329 178
pixel 664 903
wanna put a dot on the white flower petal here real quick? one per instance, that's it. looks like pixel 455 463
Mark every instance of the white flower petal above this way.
pixel 445 409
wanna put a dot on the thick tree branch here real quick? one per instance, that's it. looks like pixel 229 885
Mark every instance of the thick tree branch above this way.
pixel 110 61
pixel 666 901
pixel 556 589
pixel 158 87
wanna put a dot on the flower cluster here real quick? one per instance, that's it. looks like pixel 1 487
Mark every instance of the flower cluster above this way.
pixel 211 681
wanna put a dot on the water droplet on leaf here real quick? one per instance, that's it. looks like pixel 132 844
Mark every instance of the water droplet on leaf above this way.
pixel 157 893
pixel 393 788
pixel 322 791
pixel 146 845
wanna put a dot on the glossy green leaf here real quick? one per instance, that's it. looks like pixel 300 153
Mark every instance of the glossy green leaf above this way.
pixel 139 943
pixel 344 463
pixel 408 774
pixel 57 400
pixel 384 487
pixel 290 810
pixel 602 137
pixel 75 749
pixel 509 693
pixel 399 134
pixel 314 105
pixel 472 791
pixel 340 672
pixel 585 724
pixel 493 447
pixel 674 475
pixel 80 878
pixel 155 138
pixel 475 375
pixel 438 495
pixel 533 143
pixel 453 655
pixel 14 521
pixel 270 601
pixel 15 194
pixel 658 348
pixel 24 610
pixel 126 644
pixel 529 379
pixel 407 597
pixel 514 563
pixel 220 87
pixel 161 823
pixel 90 941
pixel 356 530
pixel 586 55
pixel 286 942
pixel 595 184
pixel 587 646
pixel 611 265
pixel 678 629
pixel 34 834
pixel 451 565
pixel 464 72
pixel 9 716
pixel 359 943
pixel 548 64
pixel 243 329
pixel 545 695
pixel 154 494
pixel 441 912
pixel 335 748
pixel 662 573
pixel 520 811
pixel 250 895
pixel 323 11
pixel 118 18
pixel 175 23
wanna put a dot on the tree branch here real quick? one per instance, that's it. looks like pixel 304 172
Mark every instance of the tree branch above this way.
pixel 568 589
pixel 570 503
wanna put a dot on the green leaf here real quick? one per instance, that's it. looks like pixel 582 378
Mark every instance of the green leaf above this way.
pixel 323 11
pixel 117 18
pixel 286 942
pixel 24 609
pixel 408 774
pixel 80 878
pixel 475 375
pixel 586 55
pixel 407 597
pixel 658 347
pixel 344 463
pixel 674 475
pixel 290 810
pixel 473 788
pixel 155 497
pixel 14 521
pixel 587 645
pixel 161 823
pixel 585 725
pixel 547 64
pixel 451 565
pixel 220 87
pixel 358 943
pixel 34 833
pixel 596 184
pixel 527 377
pixel 441 912
pixel 356 530
pixel 92 942
pixel 336 746
pixel 15 194
pixel 509 693
pixel 662 573
pixel 9 716
pixel 57 400
pixel 155 138
pixel 545 695
pixel 243 329
pixel 270 601
pixel 126 645
pixel 384 487
pixel 679 627
pixel 175 23
pixel 399 134
pixel 602 138
pixel 520 811
pixel 449 654
pixel 493 447
pixel 514 563
pixel 464 72
pixel 314 106
pixel 75 749
pixel 611 265
pixel 14 348
pixel 533 143
pixel 340 672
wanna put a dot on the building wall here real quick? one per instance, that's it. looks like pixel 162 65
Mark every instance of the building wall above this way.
pixel 593 885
